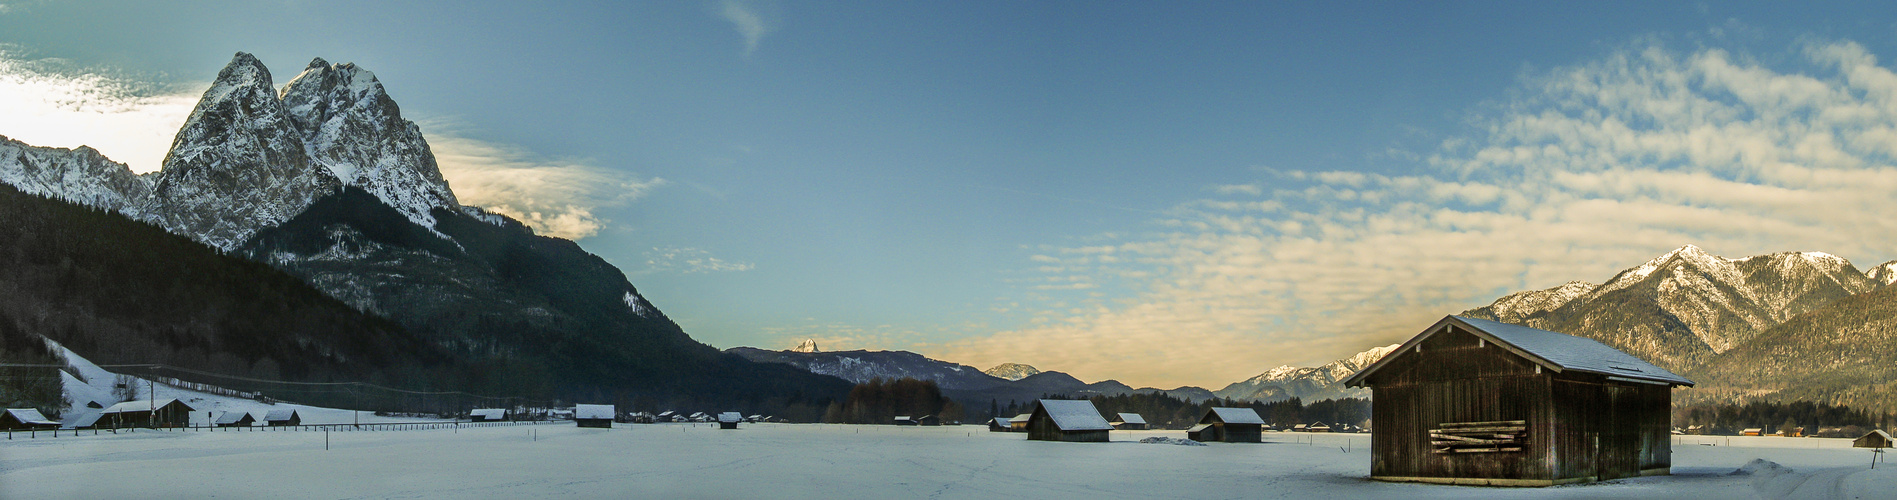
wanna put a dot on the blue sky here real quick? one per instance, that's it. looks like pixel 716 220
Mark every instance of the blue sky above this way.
pixel 1165 194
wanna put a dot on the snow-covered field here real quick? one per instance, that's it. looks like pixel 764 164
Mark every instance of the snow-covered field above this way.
pixel 834 461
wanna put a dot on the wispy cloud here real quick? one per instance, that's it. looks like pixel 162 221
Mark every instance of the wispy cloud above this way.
pixel 748 22
pixel 687 260
pixel 52 102
pixel 1594 168
pixel 556 196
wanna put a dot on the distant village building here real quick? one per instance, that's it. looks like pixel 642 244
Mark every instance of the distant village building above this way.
pixel 1129 422
pixel 235 419
pixel 904 420
pixel 147 413
pixel 25 419
pixel 1753 431
pixel 600 416
pixel 488 415
pixel 1317 427
pixel 283 416
pixel 1471 401
pixel 928 420
pixel 1230 425
pixel 1067 420
pixel 1873 439
pixel 729 420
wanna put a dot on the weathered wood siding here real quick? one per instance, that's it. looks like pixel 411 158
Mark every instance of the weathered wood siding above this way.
pixel 1242 433
pixel 1455 380
pixel 1610 430
pixel 1042 428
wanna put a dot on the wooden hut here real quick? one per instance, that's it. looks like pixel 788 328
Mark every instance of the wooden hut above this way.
pixel 729 420
pixel 1229 425
pixel 1020 422
pixel 904 420
pixel 25 419
pixel 1000 424
pixel 928 420
pixel 488 415
pixel 1472 401
pixel 594 416
pixel 1873 439
pixel 1752 431
pixel 1129 422
pixel 283 416
pixel 1067 420
pixel 147 413
pixel 235 419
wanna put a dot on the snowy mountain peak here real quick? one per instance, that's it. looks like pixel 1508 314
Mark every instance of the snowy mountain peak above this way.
pixel 1012 371
pixel 1884 274
pixel 80 175
pixel 237 165
pixel 351 127
pixel 808 345
pixel 1518 306
pixel 1308 383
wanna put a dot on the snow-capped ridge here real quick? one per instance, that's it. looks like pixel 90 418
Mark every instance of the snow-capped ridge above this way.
pixel 808 345
pixel 352 128
pixel 1012 371
pixel 1884 274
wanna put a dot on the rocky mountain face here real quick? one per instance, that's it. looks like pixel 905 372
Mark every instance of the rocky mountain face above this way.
pixel 1714 319
pixel 1012 371
pixel 325 180
pixel 1310 384
pixel 808 345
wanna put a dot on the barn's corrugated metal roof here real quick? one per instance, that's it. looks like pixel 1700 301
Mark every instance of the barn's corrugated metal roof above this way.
pixel 593 411
pixel 490 413
pixel 30 416
pixel 232 417
pixel 281 415
pixel 730 417
pixel 1238 416
pixel 1075 415
pixel 1555 350
pixel 85 420
pixel 1132 418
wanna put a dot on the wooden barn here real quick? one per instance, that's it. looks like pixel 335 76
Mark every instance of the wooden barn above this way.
pixel 488 415
pixel 235 419
pixel 729 420
pixel 284 416
pixel 928 420
pixel 1873 439
pixel 1129 422
pixel 146 413
pixel 1472 401
pixel 1229 425
pixel 25 419
pixel 593 416
pixel 1067 420
pixel 904 420
pixel 1020 422
pixel 1000 424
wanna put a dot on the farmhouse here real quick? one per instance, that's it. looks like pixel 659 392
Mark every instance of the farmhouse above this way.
pixel 729 420
pixel 1873 439
pixel 284 416
pixel 235 419
pixel 22 419
pixel 147 413
pixel 1129 422
pixel 1472 401
pixel 593 415
pixel 488 415
pixel 1231 425
pixel 1065 420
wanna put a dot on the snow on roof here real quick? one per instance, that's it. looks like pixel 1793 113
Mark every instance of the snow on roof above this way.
pixel 1132 418
pixel 232 417
pixel 1237 415
pixel 86 420
pixel 1022 417
pixel 490 413
pixel 1197 428
pixel 1555 350
pixel 730 416
pixel 30 416
pixel 1074 415
pixel 142 405
pixel 592 411
pixel 281 415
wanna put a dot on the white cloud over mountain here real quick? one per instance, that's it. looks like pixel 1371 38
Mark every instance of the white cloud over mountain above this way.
pixel 1590 169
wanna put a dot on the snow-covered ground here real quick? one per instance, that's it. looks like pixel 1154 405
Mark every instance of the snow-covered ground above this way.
pixel 835 461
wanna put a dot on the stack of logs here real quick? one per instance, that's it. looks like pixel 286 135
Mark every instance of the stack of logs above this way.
pixel 1479 437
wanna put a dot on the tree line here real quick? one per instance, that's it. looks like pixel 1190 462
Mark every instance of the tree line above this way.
pixel 880 401
pixel 1843 421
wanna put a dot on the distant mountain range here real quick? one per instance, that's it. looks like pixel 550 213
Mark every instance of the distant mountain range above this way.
pixel 1012 371
pixel 1791 325
pixel 323 179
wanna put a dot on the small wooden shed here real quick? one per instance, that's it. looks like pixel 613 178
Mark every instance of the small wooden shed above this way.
pixel 25 419
pixel 1229 425
pixel 1129 422
pixel 904 420
pixel 928 420
pixel 600 416
pixel 1067 420
pixel 283 416
pixel 1472 401
pixel 1020 422
pixel 1000 424
pixel 488 415
pixel 1873 439
pixel 729 420
pixel 147 413
pixel 235 419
